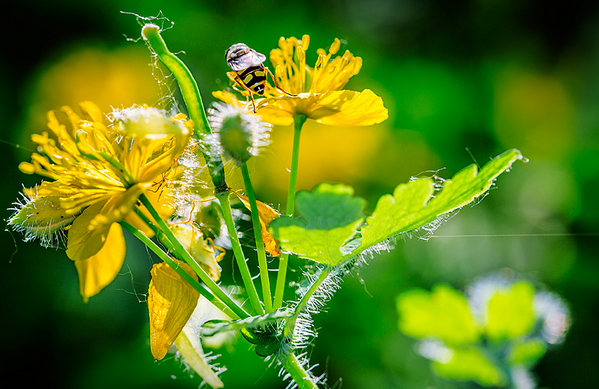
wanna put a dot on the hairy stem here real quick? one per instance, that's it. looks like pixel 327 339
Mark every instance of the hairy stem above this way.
pixel 223 198
pixel 262 263
pixel 284 259
pixel 292 365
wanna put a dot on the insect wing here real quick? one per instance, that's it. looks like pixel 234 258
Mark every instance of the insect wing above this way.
pixel 257 58
pixel 241 63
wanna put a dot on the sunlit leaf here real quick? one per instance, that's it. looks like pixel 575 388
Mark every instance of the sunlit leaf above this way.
pixel 331 216
pixel 470 364
pixel 412 205
pixel 442 314
pixel 510 312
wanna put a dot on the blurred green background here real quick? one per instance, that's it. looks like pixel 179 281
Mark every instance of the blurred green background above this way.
pixel 463 81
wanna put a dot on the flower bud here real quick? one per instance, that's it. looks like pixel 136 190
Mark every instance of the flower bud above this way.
pixel 236 134
pixel 147 122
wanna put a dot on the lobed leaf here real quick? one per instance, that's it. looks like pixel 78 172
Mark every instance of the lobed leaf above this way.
pixel 413 205
pixel 331 216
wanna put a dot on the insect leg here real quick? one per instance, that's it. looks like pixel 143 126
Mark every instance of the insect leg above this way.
pixel 235 78
pixel 275 82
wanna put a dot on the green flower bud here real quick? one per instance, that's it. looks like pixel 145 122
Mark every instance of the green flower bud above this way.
pixel 147 122
pixel 236 134
pixel 40 217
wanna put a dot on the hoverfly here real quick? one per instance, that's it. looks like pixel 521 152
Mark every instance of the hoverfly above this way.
pixel 248 70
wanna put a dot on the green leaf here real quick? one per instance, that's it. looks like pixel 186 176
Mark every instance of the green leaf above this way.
pixel 510 312
pixel 442 314
pixel 412 205
pixel 470 364
pixel 527 353
pixel 331 216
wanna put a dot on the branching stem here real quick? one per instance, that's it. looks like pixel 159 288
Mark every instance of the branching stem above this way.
pixel 189 279
pixel 182 254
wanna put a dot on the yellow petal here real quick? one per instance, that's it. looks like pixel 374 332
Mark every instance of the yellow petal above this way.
pixel 169 148
pixel 100 269
pixel 266 215
pixel 89 230
pixel 171 301
pixel 353 109
pixel 92 111
pixel 281 115
pixel 84 242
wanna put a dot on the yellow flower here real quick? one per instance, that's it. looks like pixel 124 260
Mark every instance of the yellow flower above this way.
pixel 316 92
pixel 98 172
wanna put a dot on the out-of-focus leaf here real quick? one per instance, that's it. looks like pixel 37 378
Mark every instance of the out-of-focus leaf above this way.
pixel 510 312
pixel 470 364
pixel 442 314
pixel 412 205
pixel 527 353
pixel 331 216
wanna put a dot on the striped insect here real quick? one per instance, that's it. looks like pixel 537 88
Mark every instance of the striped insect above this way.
pixel 248 70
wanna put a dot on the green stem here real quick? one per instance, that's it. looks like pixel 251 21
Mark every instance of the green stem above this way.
pixel 284 259
pixel 149 223
pixel 299 122
pixel 189 279
pixel 324 273
pixel 182 254
pixel 189 91
pixel 262 263
pixel 301 377
pixel 223 198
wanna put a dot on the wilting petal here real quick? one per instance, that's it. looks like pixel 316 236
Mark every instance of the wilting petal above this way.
pixel 194 243
pixel 171 301
pixel 266 214
pixel 100 269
